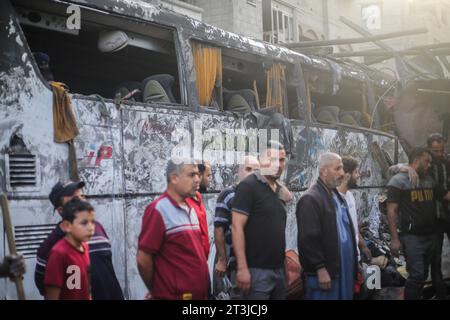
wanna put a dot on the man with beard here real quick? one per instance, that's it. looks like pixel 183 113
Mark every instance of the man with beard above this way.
pixel 417 209
pixel 350 181
pixel 326 237
pixel 170 256
pixel 205 172
pixel 258 229
pixel 196 202
pixel 439 171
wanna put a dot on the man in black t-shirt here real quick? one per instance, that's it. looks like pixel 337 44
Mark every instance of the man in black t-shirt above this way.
pixel 439 170
pixel 258 229
pixel 416 206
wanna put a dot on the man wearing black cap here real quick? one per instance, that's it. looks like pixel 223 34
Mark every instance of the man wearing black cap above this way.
pixel 104 283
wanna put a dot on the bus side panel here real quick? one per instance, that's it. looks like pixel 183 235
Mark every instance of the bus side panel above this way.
pixel 345 142
pixel 26 113
pixel 224 142
pixel 297 166
pixel 32 221
pixel 134 208
pixel 99 161
pixel 147 145
pixel 26 106
pixel 99 146
pixel 149 137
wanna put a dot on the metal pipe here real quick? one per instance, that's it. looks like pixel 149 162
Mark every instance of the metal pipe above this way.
pixel 434 91
pixel 384 53
pixel 322 43
pixel 362 31
pixel 437 52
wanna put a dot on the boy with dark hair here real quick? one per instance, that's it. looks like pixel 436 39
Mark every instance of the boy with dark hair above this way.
pixel 67 272
pixel 105 285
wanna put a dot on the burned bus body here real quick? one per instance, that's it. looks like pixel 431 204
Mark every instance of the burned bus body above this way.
pixel 134 72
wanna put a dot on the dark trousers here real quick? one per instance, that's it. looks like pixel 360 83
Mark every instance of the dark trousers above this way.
pixel 436 263
pixel 418 253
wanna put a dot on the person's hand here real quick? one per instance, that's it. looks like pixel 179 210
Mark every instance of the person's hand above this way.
pixel 243 280
pixel 395 247
pixel 15 266
pixel 148 296
pixel 412 174
pixel 367 253
pixel 324 279
pixel 285 194
pixel 221 267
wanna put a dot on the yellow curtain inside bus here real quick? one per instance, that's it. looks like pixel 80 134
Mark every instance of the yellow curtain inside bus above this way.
pixel 276 87
pixel 208 69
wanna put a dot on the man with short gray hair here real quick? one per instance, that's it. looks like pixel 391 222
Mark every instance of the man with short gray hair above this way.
pixel 222 219
pixel 170 257
pixel 326 239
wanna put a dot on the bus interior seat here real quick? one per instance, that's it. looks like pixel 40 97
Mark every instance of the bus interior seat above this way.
pixel 328 114
pixel 352 118
pixel 242 101
pixel 124 89
pixel 158 88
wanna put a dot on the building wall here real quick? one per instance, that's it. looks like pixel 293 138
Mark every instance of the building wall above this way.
pixel 184 7
pixel 404 15
pixel 248 18
pixel 320 19
pixel 218 13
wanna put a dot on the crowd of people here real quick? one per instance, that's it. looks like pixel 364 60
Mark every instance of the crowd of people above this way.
pixel 75 261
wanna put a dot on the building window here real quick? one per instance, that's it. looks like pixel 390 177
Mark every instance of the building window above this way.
pixel 371 15
pixel 282 26
pixel 291 29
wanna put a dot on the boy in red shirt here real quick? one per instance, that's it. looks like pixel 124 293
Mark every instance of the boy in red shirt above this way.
pixel 67 271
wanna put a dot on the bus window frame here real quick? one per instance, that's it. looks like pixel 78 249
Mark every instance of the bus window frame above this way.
pixel 176 33
pixel 213 43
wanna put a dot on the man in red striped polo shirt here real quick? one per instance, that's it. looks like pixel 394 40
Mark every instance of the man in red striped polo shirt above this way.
pixel 170 257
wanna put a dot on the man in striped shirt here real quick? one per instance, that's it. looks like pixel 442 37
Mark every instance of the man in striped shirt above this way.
pixel 105 285
pixel 222 219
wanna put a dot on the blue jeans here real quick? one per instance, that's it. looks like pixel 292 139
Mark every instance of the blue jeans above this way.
pixel 267 284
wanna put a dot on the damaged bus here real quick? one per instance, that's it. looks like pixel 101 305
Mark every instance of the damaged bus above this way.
pixel 134 74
